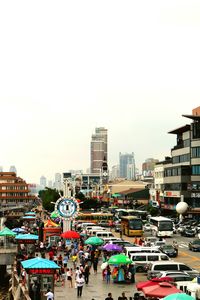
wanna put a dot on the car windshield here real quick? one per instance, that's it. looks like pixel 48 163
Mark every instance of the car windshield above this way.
pixel 135 224
pixel 196 242
pixel 168 247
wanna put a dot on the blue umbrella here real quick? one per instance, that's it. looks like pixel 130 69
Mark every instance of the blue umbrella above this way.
pixel 19 230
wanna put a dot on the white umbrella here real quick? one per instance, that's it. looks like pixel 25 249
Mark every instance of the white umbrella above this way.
pixel 104 265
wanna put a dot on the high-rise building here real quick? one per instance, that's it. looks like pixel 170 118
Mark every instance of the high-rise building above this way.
pixel 1 169
pixel 148 167
pixel 43 182
pixel 125 160
pixel 58 181
pixel 98 149
pixel 114 172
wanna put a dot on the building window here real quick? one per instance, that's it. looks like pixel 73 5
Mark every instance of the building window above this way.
pixel 196 130
pixel 196 170
pixel 195 152
pixel 186 143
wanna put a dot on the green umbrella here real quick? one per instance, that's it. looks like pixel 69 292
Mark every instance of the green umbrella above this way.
pixel 94 240
pixel 116 195
pixel 54 215
pixel 178 296
pixel 119 259
pixel 7 232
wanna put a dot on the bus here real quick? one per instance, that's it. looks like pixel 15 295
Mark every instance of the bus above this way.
pixel 94 217
pixel 121 212
pixel 131 226
pixel 161 226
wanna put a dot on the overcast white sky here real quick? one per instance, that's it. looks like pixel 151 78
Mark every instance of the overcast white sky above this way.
pixel 67 67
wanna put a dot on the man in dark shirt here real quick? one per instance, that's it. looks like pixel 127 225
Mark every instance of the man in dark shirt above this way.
pixel 109 297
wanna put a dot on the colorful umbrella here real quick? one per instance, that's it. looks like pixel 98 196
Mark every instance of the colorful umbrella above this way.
pixel 112 247
pixel 152 282
pixel 104 265
pixel 179 296
pixel 160 290
pixel 119 259
pixel 19 230
pixel 70 234
pixel 7 232
pixel 94 240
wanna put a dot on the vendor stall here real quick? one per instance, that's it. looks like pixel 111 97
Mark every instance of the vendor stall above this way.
pixel 39 276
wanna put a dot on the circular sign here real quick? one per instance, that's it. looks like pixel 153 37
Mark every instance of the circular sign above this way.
pixel 67 208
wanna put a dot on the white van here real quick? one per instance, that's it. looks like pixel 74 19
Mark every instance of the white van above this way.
pixel 104 234
pixel 155 267
pixel 143 259
pixel 93 231
pixel 130 250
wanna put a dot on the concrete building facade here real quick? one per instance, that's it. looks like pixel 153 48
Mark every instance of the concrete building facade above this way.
pixel 99 151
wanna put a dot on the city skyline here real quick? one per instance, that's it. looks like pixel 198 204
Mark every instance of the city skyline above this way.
pixel 132 68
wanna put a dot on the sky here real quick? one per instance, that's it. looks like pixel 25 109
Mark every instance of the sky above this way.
pixel 67 67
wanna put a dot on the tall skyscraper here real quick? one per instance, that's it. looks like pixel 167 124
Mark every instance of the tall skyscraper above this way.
pixel 58 181
pixel 127 165
pixel 98 149
pixel 43 182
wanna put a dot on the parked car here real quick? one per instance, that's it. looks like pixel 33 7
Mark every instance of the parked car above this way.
pixel 147 227
pixel 176 275
pixel 189 232
pixel 104 224
pixel 194 245
pixel 117 227
pixel 169 250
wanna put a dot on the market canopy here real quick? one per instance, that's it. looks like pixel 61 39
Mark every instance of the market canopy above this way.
pixel 50 223
pixel 27 237
pixel 39 263
pixel 30 213
pixel 179 296
pixel 160 290
pixel 7 232
pixel 152 282
pixel 28 217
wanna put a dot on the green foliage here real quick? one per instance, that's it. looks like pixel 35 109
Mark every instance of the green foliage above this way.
pixel 49 195
pixel 153 211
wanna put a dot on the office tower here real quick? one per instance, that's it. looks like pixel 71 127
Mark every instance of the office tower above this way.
pixel 43 182
pixel 148 167
pixel 1 169
pixel 115 172
pixel 13 169
pixel 58 181
pixel 125 160
pixel 98 149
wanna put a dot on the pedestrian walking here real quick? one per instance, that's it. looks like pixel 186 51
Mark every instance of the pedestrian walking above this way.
pixel 80 283
pixel 108 273
pixel 49 295
pixel 87 273
pixel 69 277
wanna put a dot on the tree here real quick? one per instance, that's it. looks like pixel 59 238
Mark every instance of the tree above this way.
pixel 49 195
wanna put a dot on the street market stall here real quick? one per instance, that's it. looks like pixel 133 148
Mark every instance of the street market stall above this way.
pixel 39 276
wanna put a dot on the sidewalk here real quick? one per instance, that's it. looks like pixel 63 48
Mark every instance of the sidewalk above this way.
pixel 97 288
